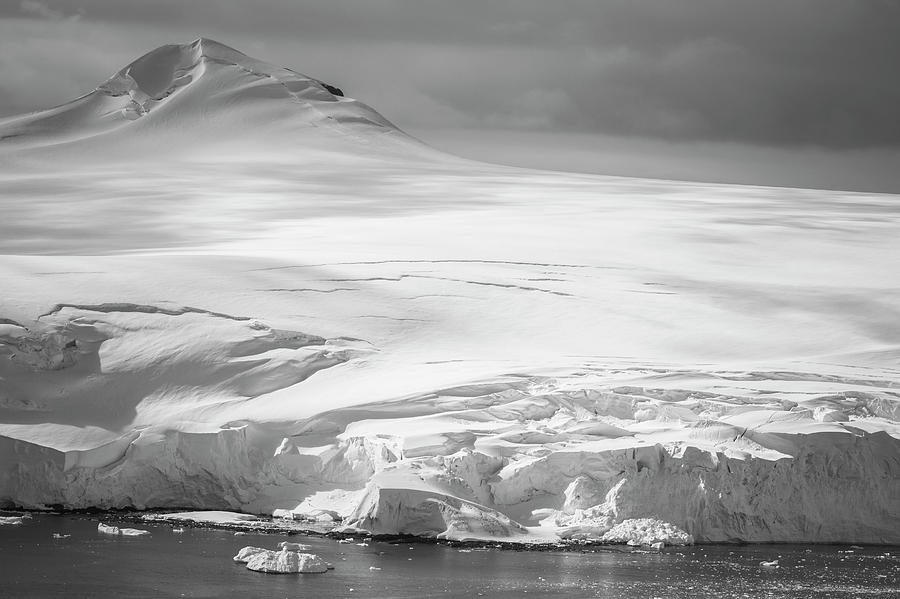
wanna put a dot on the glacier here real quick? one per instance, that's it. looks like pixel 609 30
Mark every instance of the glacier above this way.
pixel 227 288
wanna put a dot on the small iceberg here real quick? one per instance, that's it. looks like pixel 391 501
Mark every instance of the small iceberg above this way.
pixel 134 532
pixel 287 562
pixel 105 529
pixel 283 561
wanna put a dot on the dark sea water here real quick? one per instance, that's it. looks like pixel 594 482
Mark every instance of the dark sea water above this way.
pixel 198 563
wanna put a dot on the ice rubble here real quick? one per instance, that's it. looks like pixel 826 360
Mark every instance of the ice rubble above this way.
pixel 646 531
pixel 297 309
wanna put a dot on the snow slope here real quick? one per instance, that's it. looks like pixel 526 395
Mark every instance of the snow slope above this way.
pixel 225 287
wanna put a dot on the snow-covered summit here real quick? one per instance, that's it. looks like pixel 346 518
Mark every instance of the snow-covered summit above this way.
pixel 171 68
pixel 205 90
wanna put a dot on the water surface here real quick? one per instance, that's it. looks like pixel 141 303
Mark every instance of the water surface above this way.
pixel 198 563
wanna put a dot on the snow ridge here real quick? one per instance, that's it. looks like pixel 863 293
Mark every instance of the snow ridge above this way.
pixel 161 72
pixel 203 84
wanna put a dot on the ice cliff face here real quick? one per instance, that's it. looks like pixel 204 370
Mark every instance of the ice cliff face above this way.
pixel 226 286
pixel 571 462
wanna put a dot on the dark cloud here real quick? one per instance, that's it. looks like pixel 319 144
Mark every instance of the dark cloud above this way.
pixel 39 9
pixel 871 170
pixel 769 72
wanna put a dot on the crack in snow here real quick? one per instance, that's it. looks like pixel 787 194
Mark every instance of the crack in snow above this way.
pixel 394 318
pixel 142 308
pixel 465 281
pixel 309 289
pixel 442 261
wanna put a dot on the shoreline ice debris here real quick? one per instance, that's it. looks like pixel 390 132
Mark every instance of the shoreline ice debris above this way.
pixel 317 316
pixel 646 531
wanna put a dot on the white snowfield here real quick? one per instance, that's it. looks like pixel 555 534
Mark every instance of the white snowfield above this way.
pixel 224 287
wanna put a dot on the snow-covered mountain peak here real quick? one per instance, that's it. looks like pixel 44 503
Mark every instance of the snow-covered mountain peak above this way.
pixel 202 92
pixel 162 71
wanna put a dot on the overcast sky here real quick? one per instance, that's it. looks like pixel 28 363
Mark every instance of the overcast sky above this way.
pixel 786 92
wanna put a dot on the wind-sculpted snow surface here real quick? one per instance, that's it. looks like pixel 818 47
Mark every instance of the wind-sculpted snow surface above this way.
pixel 236 290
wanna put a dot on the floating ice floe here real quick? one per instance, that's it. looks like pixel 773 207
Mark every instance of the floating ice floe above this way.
pixel 134 532
pixel 11 520
pixel 293 546
pixel 106 529
pixel 122 532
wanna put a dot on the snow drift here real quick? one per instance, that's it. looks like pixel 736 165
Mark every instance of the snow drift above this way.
pixel 227 287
